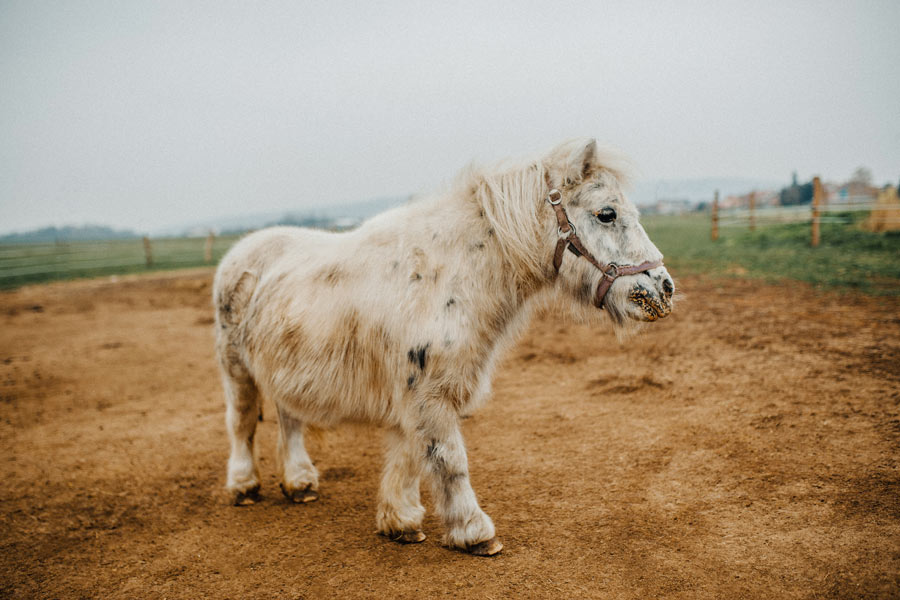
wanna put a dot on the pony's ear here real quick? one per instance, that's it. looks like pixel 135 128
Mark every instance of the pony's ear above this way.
pixel 569 163
pixel 587 158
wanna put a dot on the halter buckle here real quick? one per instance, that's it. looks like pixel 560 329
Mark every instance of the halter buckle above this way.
pixel 554 197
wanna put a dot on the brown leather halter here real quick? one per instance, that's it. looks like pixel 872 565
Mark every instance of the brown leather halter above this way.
pixel 568 238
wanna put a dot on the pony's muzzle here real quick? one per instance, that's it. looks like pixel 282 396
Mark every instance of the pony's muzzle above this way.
pixel 652 296
pixel 651 306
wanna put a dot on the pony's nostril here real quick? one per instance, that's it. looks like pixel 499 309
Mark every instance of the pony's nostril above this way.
pixel 668 286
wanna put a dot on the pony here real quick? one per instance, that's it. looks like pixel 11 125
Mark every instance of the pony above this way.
pixel 400 322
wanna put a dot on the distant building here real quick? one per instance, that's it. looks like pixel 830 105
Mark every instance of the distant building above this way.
pixel 856 190
pixel 670 206
pixel 763 198
pixel 851 192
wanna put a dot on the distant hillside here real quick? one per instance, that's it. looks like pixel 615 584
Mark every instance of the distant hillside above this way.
pixel 68 233
pixel 644 193
pixel 649 192
pixel 326 216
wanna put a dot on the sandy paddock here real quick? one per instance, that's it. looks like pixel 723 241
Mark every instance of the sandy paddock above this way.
pixel 747 446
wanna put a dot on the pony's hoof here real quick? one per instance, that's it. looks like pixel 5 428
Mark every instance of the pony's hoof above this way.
pixel 300 496
pixel 486 548
pixel 406 537
pixel 246 497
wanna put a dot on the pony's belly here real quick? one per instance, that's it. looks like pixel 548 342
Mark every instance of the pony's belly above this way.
pixel 329 399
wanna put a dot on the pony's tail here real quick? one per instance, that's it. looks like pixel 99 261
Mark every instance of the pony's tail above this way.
pixel 231 300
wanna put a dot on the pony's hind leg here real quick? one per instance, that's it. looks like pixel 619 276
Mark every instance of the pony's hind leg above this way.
pixel 241 411
pixel 400 510
pixel 299 478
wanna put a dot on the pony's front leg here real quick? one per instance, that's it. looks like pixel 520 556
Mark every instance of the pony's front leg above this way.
pixel 400 510
pixel 468 527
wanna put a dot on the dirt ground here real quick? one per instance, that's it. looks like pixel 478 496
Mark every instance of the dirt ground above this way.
pixel 745 447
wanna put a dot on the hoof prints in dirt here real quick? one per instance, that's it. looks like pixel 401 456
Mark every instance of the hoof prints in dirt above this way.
pixel 561 358
pixel 623 385
pixel 338 473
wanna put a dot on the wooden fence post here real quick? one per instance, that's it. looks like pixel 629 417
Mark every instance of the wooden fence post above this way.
pixel 715 217
pixel 753 210
pixel 148 251
pixel 816 203
pixel 208 247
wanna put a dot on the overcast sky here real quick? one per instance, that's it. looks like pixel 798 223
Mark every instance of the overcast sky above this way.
pixel 150 114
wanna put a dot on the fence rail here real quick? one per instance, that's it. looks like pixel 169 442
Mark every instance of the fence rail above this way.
pixel 34 263
pixel 794 214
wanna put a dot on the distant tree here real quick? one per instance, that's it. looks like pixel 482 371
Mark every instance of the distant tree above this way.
pixel 796 193
pixel 862 175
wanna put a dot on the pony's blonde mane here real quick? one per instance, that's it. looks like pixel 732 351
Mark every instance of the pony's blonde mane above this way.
pixel 509 197
pixel 510 194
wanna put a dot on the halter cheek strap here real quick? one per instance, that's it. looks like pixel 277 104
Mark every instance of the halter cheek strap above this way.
pixel 568 238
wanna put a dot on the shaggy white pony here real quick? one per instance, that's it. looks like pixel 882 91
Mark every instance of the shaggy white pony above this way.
pixel 400 322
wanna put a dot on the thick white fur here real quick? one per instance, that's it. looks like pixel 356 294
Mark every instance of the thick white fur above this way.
pixel 400 322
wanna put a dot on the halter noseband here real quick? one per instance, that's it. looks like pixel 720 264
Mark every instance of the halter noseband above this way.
pixel 568 238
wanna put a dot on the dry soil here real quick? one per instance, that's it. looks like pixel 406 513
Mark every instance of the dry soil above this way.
pixel 745 447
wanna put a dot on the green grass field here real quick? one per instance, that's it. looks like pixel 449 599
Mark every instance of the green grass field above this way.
pixel 848 257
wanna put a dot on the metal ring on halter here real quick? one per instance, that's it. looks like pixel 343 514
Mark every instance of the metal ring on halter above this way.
pixel 561 233
pixel 615 270
pixel 554 193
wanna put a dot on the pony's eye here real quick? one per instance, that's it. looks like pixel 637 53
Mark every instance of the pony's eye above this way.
pixel 606 215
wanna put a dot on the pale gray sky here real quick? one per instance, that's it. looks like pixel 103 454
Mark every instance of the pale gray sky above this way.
pixel 150 114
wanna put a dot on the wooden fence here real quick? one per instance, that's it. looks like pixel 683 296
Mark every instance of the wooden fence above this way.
pixel 37 262
pixel 884 213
